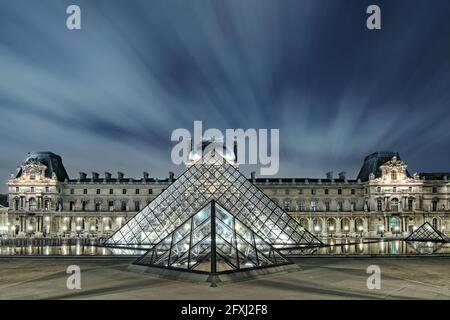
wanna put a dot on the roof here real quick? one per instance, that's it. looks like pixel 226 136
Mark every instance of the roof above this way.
pixel 434 175
pixel 52 161
pixel 373 162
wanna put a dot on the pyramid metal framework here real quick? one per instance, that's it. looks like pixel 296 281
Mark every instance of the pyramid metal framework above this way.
pixel 426 232
pixel 212 179
pixel 213 241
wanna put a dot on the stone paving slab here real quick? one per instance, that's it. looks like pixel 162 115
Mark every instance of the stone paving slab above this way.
pixel 334 278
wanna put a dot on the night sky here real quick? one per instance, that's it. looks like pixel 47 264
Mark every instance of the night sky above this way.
pixel 108 96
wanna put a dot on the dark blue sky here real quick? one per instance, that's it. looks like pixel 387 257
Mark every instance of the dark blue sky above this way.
pixel 107 97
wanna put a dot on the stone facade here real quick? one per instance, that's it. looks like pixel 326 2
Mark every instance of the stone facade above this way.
pixel 384 201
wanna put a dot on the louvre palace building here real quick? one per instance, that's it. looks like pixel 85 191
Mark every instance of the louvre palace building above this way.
pixel 384 200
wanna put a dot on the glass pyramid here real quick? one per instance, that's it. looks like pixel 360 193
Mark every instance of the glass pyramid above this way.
pixel 426 232
pixel 212 241
pixel 212 178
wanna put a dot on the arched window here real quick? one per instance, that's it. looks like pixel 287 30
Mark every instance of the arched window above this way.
pixel 435 223
pixel 33 204
pixel 393 175
pixel 287 204
pixel 394 205
pixel 313 205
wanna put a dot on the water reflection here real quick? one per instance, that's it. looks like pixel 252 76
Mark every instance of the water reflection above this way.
pixel 66 250
pixel 367 247
pixel 333 247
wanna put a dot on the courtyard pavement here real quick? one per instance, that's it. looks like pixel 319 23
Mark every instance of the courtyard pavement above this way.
pixel 320 278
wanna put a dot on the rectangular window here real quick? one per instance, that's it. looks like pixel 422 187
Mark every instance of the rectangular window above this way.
pixel 378 189
pixel 379 205
pixel 327 206
pixel 150 191
pixel 32 189
pixel 98 206
pixel 98 191
pixel 339 191
pixel 326 191
pixel 84 191
pixel 137 191
pixel 353 191
pixel 300 191
pixel 111 191
pixel 111 205
pixel 137 206
pixel 410 204
pixel 17 189
pixel 72 191
pixel 313 191
pixel 124 191
pixel 72 206
pixel 123 206
pixel 47 189
pixel 434 189
pixel 84 205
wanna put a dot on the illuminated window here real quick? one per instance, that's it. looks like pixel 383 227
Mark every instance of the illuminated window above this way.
pixel 313 205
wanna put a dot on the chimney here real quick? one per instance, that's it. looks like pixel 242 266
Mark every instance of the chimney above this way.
pixel 342 175
pixel 94 176
pixel 170 176
pixel 120 175
pixel 145 175
pixel 252 176
pixel 82 175
pixel 107 176
pixel 330 175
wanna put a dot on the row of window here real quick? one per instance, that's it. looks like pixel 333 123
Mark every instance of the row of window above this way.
pixel 313 205
pixel 314 191
pixel 98 206
pixel 111 191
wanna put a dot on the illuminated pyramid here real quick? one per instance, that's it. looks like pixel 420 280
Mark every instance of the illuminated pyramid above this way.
pixel 213 241
pixel 213 178
pixel 426 232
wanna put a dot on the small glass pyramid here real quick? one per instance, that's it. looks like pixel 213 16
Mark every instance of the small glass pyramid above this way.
pixel 204 181
pixel 212 241
pixel 426 232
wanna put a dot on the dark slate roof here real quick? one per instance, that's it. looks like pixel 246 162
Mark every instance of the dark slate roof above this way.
pixel 3 200
pixel 434 175
pixel 52 161
pixel 373 162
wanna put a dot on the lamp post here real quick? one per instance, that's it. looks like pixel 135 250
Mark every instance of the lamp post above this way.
pixel 317 229
pixel 346 229
pixel 360 229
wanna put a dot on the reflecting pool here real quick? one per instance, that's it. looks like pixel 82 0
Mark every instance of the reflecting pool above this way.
pixel 339 247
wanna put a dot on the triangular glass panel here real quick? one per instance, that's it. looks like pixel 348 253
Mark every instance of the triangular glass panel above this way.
pixel 214 179
pixel 426 232
pixel 213 241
